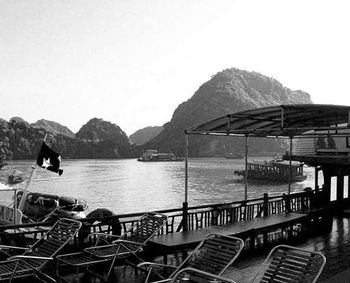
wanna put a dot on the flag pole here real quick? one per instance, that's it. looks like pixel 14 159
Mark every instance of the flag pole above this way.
pixel 26 190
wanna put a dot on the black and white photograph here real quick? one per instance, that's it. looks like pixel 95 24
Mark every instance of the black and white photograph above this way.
pixel 174 141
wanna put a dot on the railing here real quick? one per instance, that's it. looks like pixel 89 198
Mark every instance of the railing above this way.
pixel 198 216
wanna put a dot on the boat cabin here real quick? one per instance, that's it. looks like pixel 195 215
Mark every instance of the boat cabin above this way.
pixel 273 171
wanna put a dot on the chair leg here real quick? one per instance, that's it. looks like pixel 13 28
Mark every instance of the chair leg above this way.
pixel 14 271
pixel 46 277
pixel 76 273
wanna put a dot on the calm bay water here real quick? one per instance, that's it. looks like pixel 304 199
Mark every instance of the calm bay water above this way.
pixel 126 186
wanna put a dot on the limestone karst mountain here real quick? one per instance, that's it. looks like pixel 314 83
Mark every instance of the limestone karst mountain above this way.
pixel 144 135
pixel 96 139
pixel 229 91
pixel 53 127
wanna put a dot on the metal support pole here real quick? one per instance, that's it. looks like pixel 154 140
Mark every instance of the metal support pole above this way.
pixel 290 165
pixel 186 167
pixel 246 170
pixel 185 204
pixel 14 206
pixel 26 190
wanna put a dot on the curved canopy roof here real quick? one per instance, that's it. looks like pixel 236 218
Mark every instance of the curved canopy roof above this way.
pixel 293 120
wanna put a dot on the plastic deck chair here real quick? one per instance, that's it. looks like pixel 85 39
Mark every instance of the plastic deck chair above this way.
pixel 129 244
pixel 290 264
pixel 213 255
pixel 192 275
pixel 34 259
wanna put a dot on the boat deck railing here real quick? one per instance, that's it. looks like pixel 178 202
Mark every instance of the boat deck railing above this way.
pixel 197 216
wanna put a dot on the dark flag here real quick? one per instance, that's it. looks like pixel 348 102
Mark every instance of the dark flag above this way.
pixel 49 160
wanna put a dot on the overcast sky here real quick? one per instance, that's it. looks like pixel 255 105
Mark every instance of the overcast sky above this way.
pixel 133 62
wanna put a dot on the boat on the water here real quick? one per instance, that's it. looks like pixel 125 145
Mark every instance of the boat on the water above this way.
pixel 276 171
pixel 234 155
pixel 154 155
pixel 15 177
pixel 2 164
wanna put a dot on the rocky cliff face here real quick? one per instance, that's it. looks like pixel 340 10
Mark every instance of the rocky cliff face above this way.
pixel 53 127
pixel 18 140
pixel 144 135
pixel 229 91
pixel 96 139
pixel 102 138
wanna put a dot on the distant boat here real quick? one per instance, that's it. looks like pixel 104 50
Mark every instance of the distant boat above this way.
pixel 154 155
pixel 15 178
pixel 274 171
pixel 234 155
pixel 2 164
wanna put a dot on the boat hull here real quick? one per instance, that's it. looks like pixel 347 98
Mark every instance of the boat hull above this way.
pixel 279 179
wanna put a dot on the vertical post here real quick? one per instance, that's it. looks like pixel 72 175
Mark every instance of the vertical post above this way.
pixel 185 204
pixel 316 179
pixel 15 206
pixel 266 204
pixel 290 165
pixel 25 191
pixel 340 188
pixel 246 170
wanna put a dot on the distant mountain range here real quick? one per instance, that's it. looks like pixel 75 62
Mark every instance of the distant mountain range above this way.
pixel 228 91
pixel 96 139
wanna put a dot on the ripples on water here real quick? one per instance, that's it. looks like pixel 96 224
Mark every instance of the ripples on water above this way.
pixel 126 186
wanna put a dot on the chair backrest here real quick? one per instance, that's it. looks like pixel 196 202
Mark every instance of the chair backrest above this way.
pixel 198 276
pixel 290 264
pixel 214 254
pixel 144 229
pixel 61 233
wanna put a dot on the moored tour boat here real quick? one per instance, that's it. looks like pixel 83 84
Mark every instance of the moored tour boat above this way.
pixel 154 155
pixel 274 171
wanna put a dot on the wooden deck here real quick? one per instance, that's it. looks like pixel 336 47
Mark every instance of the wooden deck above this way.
pixel 333 240
pixel 169 243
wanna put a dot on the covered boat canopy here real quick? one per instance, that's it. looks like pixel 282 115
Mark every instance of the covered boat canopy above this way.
pixel 295 120
pixel 280 121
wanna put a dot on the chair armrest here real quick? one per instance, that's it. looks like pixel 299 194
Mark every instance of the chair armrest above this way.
pixel 148 267
pixel 101 235
pixel 148 264
pixel 115 242
pixel 30 257
pixel 13 247
pixel 163 281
